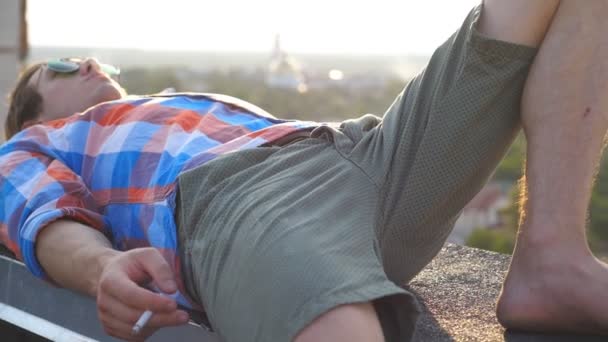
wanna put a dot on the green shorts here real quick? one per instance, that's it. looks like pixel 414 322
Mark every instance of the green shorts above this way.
pixel 273 237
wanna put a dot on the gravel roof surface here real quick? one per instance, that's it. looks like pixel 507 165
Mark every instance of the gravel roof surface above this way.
pixel 458 291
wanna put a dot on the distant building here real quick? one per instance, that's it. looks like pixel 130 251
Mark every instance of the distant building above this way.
pixel 483 211
pixel 283 70
pixel 13 49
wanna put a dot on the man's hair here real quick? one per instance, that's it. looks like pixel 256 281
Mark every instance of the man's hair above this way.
pixel 25 103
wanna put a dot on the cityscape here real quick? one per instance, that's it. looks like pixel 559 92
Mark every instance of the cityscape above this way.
pixel 117 167
pixel 324 88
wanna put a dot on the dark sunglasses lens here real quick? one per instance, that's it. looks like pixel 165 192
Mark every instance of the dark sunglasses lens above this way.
pixel 63 65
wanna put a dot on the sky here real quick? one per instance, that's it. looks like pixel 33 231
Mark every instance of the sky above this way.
pixel 311 26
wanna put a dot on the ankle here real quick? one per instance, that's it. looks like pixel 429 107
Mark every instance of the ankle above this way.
pixel 537 242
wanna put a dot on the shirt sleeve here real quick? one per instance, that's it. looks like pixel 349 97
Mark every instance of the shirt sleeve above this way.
pixel 38 189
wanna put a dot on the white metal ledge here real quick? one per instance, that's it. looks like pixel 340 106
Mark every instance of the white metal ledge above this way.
pixel 61 315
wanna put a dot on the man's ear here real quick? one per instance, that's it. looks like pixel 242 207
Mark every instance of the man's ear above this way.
pixel 29 123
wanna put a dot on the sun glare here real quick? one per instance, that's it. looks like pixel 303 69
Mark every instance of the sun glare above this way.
pixel 366 27
pixel 336 74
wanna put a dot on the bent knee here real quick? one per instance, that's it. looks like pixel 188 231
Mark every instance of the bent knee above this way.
pixel 349 322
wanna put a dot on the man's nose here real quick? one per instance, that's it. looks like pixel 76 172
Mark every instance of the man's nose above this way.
pixel 89 64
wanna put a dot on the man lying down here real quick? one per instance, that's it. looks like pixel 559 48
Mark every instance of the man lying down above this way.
pixel 302 231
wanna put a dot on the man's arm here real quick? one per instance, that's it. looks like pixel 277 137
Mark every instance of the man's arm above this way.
pixel 82 259
pixel 38 222
pixel 74 255
pixel 518 21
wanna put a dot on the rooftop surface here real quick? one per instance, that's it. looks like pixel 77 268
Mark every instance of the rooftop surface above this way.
pixel 457 292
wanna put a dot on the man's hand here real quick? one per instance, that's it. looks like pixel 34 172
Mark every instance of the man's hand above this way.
pixel 81 258
pixel 121 299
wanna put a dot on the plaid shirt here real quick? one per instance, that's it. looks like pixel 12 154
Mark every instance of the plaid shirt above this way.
pixel 114 167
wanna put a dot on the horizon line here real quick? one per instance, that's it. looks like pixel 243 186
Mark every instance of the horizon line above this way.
pixel 231 51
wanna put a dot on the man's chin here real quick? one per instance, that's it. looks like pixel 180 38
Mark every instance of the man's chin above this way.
pixel 111 92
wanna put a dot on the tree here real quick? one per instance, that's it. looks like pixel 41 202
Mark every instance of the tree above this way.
pixel 149 81
pixel 496 240
pixel 501 240
pixel 598 213
pixel 510 168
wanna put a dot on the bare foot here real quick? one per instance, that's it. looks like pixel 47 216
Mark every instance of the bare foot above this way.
pixel 552 291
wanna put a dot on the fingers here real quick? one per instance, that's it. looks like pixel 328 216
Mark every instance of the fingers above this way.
pixel 121 299
pixel 123 331
pixel 123 277
pixel 118 320
pixel 136 296
pixel 117 310
pixel 157 268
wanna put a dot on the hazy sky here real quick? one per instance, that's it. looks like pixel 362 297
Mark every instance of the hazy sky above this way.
pixel 319 26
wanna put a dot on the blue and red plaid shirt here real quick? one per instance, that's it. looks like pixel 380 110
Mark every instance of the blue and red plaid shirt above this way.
pixel 114 167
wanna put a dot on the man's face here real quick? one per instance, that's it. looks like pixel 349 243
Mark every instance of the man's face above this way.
pixel 64 94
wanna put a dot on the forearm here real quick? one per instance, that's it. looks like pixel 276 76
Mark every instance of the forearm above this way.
pixel 73 255
pixel 81 258
pixel 518 21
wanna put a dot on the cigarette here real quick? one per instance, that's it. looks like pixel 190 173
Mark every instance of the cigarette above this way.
pixel 141 322
pixel 145 317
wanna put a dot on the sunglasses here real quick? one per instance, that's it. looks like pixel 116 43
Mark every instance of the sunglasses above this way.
pixel 71 65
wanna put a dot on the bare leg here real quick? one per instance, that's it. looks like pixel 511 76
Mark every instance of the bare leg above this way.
pixel 354 322
pixel 554 282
